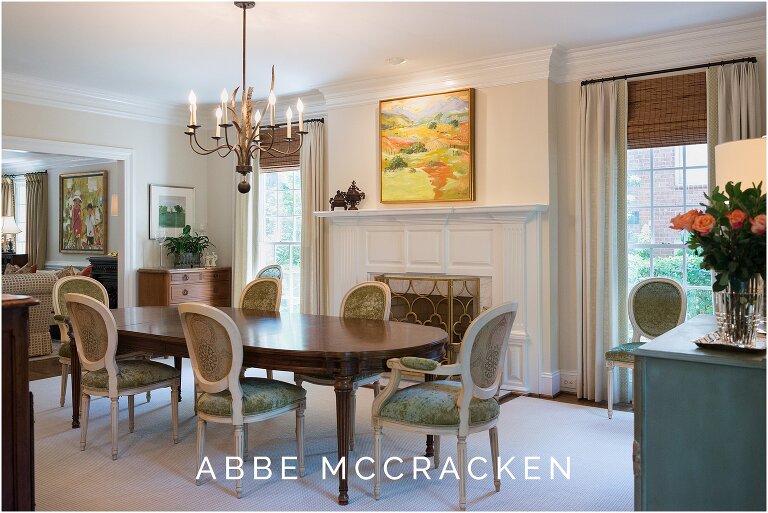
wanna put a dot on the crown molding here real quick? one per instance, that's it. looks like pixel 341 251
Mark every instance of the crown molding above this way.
pixel 51 162
pixel 25 89
pixel 494 71
pixel 741 38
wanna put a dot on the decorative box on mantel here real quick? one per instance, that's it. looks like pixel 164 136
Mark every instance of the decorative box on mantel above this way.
pixel 501 245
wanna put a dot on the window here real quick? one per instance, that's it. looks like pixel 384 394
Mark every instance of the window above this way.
pixel 20 202
pixel 280 229
pixel 661 183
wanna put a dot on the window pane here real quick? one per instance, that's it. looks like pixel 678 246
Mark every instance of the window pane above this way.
pixel 639 188
pixel 295 256
pixel 667 188
pixel 638 159
pixel 639 226
pixel 662 233
pixel 282 254
pixel 297 203
pixel 696 275
pixel 638 265
pixel 668 263
pixel 285 228
pixel 297 180
pixel 270 181
pixel 285 181
pixel 667 157
pixel 270 229
pixel 696 155
pixel 270 202
pixel 699 302
pixel 285 203
pixel 697 184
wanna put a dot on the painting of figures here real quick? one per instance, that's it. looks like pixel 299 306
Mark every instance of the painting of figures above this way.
pixel 426 148
pixel 82 219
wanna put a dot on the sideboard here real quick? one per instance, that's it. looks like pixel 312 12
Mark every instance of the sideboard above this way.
pixel 165 287
pixel 699 424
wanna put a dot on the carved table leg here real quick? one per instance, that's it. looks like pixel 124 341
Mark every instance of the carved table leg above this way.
pixel 76 372
pixel 177 364
pixel 343 389
pixel 430 438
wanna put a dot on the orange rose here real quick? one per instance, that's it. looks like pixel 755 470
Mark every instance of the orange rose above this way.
pixel 758 224
pixel 704 224
pixel 685 221
pixel 737 218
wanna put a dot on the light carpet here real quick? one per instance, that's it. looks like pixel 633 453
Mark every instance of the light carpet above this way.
pixel 153 474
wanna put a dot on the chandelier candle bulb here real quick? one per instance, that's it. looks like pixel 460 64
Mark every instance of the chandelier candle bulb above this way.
pixel 193 106
pixel 300 108
pixel 288 116
pixel 218 122
pixel 272 102
pixel 191 119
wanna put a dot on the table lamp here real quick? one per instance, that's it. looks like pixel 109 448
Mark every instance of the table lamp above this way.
pixel 740 161
pixel 9 228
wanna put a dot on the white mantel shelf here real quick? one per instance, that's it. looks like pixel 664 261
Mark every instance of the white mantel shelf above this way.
pixel 484 211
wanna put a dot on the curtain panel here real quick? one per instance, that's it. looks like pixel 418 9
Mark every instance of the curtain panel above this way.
pixel 9 203
pixel 601 224
pixel 37 218
pixel 314 230
pixel 246 229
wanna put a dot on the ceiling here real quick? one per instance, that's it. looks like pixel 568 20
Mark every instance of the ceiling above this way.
pixel 162 50
pixel 17 162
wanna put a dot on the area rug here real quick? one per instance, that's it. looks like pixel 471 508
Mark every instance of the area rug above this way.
pixel 576 459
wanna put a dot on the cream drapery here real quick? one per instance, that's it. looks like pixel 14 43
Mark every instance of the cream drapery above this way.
pixel 37 218
pixel 314 243
pixel 601 224
pixel 9 203
pixel 245 226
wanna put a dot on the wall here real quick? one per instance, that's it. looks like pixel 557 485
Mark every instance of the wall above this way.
pixel 161 155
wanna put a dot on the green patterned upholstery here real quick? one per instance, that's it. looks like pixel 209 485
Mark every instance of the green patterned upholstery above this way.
pixel 434 404
pixel 656 307
pixel 261 295
pixel 415 363
pixel 623 353
pixel 259 396
pixel 131 374
pixel 366 302
pixel 85 286
pixel 65 351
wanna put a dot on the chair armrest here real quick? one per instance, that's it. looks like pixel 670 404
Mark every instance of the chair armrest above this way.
pixel 410 363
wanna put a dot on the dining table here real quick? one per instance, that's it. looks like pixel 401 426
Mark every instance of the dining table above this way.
pixel 300 343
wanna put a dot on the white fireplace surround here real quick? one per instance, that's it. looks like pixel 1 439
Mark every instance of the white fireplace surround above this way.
pixel 503 243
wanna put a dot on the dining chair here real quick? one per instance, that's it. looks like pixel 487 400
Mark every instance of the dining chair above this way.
pixel 656 305
pixel 216 350
pixel 89 287
pixel 447 407
pixel 96 339
pixel 367 300
pixel 263 294
pixel 270 271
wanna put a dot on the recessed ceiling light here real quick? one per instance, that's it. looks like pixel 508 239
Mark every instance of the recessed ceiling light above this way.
pixel 395 61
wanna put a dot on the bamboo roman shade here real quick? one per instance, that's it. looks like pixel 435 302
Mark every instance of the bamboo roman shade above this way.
pixel 268 161
pixel 667 111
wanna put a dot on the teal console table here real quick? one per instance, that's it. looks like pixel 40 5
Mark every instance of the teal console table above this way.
pixel 699 424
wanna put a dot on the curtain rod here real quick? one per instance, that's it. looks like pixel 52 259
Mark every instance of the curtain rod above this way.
pixel 669 70
pixel 316 120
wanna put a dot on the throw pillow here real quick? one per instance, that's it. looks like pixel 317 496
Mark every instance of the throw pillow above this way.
pixel 34 269
pixel 67 271
pixel 11 269
pixel 26 269
pixel 87 271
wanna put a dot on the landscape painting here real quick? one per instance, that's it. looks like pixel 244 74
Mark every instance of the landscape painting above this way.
pixel 82 219
pixel 170 209
pixel 426 148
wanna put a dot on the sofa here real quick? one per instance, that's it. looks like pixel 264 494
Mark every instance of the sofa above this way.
pixel 38 285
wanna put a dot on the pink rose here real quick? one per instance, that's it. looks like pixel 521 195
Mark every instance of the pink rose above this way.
pixel 737 218
pixel 685 221
pixel 758 224
pixel 704 224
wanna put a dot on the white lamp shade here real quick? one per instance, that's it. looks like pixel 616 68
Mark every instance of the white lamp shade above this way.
pixel 740 161
pixel 10 226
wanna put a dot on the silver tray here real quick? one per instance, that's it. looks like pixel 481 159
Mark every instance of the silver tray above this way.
pixel 712 341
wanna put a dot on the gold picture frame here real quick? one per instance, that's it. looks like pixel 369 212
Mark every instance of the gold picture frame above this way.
pixel 83 212
pixel 426 148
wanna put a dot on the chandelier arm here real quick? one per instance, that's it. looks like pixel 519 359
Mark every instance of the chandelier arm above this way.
pixel 202 148
pixel 204 151
pixel 290 152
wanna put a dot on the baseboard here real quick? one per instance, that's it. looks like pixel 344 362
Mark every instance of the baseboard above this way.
pixel 568 381
pixel 549 383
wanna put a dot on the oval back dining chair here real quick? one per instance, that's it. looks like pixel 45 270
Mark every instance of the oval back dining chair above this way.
pixel 447 407
pixel 656 305
pixel 368 300
pixel 270 271
pixel 263 294
pixel 96 340
pixel 216 350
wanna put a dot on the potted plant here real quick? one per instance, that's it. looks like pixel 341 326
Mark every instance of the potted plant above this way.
pixel 730 236
pixel 187 248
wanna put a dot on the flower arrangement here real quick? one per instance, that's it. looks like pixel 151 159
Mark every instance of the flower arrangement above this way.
pixel 729 234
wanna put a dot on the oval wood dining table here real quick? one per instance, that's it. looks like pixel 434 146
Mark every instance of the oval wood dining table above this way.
pixel 306 344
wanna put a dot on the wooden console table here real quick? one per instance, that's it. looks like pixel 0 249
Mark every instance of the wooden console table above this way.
pixel 166 287
pixel 18 437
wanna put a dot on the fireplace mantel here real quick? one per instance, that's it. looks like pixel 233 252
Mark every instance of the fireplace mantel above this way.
pixel 501 244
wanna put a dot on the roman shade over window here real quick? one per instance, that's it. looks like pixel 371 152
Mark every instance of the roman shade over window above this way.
pixel 268 162
pixel 667 111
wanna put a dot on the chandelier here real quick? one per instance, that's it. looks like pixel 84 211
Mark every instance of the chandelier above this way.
pixel 252 137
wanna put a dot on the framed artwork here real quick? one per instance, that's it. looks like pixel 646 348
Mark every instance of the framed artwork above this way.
pixel 82 212
pixel 170 209
pixel 426 148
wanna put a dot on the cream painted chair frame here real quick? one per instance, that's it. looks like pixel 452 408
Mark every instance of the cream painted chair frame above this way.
pixel 468 390
pixel 107 361
pixel 374 380
pixel 253 283
pixel 263 270
pixel 66 363
pixel 231 382
pixel 638 332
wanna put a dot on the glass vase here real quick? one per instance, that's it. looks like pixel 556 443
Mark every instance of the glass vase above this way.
pixel 738 310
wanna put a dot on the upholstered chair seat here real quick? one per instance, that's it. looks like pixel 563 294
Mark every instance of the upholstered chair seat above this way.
pixel 259 396
pixel 131 374
pixel 434 403
pixel 656 305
